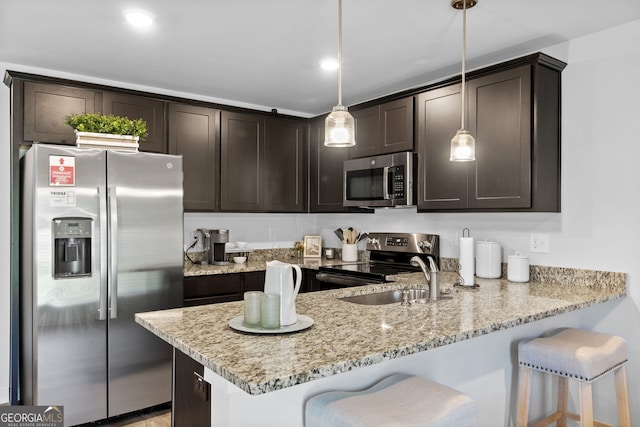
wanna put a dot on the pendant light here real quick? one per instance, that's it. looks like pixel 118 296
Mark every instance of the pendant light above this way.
pixel 463 146
pixel 339 126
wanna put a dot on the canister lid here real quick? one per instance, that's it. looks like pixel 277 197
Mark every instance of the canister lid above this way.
pixel 518 255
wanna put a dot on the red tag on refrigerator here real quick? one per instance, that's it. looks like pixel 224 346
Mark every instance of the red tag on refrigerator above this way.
pixel 62 171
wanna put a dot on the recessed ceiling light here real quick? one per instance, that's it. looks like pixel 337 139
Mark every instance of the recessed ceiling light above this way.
pixel 139 18
pixel 329 64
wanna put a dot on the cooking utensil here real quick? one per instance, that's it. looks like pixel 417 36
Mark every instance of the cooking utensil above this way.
pixel 338 232
pixel 362 237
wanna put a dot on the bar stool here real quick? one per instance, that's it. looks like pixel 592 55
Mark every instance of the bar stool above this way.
pixel 573 354
pixel 399 399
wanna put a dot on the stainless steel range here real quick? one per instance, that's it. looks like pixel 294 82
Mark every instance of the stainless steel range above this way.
pixel 389 254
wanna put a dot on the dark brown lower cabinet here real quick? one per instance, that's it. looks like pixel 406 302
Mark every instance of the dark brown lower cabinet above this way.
pixel 191 394
pixel 309 282
pixel 212 289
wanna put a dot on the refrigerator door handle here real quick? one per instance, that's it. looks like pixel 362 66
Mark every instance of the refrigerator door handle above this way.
pixel 112 201
pixel 104 290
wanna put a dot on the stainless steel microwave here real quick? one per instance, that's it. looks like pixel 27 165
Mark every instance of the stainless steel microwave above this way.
pixel 380 181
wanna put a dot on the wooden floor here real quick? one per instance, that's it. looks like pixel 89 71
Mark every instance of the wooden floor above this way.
pixel 159 418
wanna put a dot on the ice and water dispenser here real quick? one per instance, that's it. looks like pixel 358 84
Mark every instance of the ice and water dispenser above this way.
pixel 71 247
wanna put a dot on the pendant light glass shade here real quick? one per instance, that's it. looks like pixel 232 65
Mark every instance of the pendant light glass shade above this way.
pixel 463 145
pixel 339 126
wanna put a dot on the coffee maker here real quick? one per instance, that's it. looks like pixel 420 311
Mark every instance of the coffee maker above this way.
pixel 214 246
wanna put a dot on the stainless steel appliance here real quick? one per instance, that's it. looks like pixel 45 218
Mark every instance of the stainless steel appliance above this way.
pixel 102 238
pixel 219 239
pixel 389 254
pixel 380 181
pixel 214 244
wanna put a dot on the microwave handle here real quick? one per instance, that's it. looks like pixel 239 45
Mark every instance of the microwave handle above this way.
pixel 387 182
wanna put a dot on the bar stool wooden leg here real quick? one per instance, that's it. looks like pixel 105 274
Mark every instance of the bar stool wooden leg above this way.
pixel 622 394
pixel 524 391
pixel 563 395
pixel 586 405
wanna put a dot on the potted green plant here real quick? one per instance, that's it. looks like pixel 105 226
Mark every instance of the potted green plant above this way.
pixel 107 130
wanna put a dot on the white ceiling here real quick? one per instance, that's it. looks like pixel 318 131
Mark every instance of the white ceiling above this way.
pixel 267 52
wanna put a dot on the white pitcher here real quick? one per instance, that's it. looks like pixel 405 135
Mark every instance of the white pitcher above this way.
pixel 279 280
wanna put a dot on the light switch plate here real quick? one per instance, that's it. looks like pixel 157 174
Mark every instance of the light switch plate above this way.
pixel 539 243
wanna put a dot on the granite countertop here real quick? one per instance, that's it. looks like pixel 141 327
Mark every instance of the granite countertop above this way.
pixel 346 335
pixel 257 262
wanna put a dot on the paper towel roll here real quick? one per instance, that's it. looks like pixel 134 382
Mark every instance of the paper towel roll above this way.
pixel 467 263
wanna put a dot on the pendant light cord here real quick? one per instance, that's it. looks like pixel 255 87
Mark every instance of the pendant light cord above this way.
pixel 339 52
pixel 464 56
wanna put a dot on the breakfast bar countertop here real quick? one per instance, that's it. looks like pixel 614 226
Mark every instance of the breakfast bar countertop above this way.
pixel 346 336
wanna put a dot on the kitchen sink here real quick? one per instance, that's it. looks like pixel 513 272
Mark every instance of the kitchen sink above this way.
pixel 419 296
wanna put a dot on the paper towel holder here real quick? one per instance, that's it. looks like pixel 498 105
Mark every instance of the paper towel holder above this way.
pixel 467 231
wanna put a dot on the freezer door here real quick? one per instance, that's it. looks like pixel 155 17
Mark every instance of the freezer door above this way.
pixel 63 342
pixel 145 273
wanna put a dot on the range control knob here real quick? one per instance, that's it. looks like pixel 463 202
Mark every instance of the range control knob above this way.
pixel 424 244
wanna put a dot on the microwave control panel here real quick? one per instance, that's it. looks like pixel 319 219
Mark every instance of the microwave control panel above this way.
pixel 398 178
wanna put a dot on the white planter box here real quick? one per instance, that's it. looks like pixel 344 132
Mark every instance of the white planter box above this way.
pixel 106 140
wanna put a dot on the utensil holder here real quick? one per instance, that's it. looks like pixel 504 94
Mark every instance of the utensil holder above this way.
pixel 349 252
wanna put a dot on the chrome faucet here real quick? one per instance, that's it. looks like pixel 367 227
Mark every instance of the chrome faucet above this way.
pixel 431 274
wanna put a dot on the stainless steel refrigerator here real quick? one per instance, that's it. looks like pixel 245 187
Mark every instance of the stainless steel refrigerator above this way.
pixel 102 239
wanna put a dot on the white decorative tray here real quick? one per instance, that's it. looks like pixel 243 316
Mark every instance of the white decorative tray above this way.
pixel 304 322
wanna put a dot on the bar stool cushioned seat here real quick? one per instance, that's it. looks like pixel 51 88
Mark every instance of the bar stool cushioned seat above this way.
pixel 399 399
pixel 573 354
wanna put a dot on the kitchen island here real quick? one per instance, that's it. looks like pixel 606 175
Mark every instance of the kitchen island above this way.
pixel 268 377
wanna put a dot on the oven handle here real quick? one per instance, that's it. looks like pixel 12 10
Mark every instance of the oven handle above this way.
pixel 344 280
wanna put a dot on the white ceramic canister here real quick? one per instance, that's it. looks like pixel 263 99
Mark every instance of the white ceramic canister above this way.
pixel 488 259
pixel 518 268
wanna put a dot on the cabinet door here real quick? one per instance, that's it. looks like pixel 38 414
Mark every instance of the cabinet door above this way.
pixel 189 407
pixel 442 184
pixel 325 171
pixel 501 124
pixel 138 107
pixel 396 126
pixel 200 290
pixel 47 105
pixel 367 129
pixel 285 171
pixel 254 281
pixel 242 160
pixel 193 132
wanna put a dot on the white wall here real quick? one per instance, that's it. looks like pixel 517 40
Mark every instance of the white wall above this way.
pixel 597 228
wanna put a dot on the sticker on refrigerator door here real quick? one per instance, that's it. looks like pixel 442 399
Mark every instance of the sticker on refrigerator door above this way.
pixel 62 198
pixel 62 171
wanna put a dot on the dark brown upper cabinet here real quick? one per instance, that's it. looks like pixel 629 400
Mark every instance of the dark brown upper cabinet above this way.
pixel 517 166
pixel 263 163
pixel 285 171
pixel 137 107
pixel 383 128
pixel 325 171
pixel 47 105
pixel 194 133
pixel 242 152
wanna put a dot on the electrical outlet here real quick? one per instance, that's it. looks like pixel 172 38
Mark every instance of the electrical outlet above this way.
pixel 539 243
